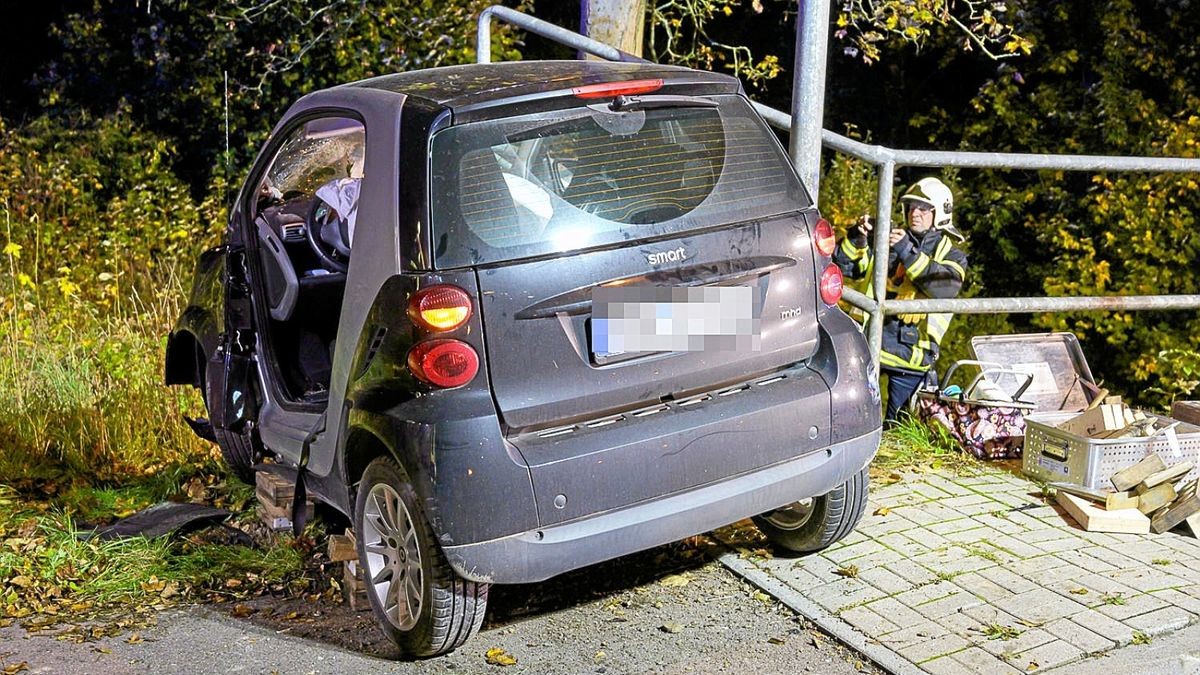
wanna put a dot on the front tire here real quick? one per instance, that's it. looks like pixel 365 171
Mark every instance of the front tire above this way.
pixel 817 523
pixel 419 601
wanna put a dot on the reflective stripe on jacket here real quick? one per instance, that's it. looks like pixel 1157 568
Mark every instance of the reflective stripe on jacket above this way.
pixel 932 267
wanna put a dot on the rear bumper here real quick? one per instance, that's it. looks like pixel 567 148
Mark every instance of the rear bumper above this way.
pixel 540 554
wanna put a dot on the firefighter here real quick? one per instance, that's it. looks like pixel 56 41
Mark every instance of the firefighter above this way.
pixel 923 262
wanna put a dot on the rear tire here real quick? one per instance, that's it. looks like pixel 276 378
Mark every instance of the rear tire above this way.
pixel 814 524
pixel 240 451
pixel 419 601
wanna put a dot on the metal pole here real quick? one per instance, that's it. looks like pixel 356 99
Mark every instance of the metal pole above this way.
pixel 808 91
pixel 1032 305
pixel 883 225
pixel 483 36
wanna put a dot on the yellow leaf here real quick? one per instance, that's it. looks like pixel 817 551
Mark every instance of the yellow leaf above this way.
pixel 498 657
pixel 11 249
pixel 882 511
pixel 22 581
pixel 676 580
pixel 134 639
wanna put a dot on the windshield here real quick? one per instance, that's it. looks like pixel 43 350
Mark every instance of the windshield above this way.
pixel 552 182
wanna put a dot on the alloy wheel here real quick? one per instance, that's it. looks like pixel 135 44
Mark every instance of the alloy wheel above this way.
pixel 393 556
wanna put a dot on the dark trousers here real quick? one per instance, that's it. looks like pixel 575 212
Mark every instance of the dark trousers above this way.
pixel 901 386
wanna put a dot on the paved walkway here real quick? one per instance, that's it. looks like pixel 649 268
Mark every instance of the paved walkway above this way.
pixel 951 574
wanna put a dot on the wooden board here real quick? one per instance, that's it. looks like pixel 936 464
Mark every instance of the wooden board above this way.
pixel 1186 411
pixel 1168 474
pixel 1179 511
pixel 1127 478
pixel 1112 501
pixel 273 488
pixel 1095 519
pixel 342 547
pixel 1156 497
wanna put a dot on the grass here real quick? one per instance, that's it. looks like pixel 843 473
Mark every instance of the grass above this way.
pixel 912 446
pixel 1140 638
pixel 995 631
pixel 1113 599
pixel 48 573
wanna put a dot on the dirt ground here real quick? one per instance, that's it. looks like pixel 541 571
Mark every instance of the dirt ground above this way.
pixel 669 610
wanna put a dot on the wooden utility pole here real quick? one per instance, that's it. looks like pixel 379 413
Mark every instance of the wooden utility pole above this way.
pixel 619 23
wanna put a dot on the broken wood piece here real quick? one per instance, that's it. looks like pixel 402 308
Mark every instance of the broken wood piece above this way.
pixel 1095 519
pixel 1179 511
pixel 1127 478
pixel 1168 474
pixel 1111 500
pixel 1156 497
pixel 1186 411
pixel 1193 523
pixel 341 548
pixel 273 488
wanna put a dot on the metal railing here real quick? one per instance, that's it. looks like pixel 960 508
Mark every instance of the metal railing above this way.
pixel 886 160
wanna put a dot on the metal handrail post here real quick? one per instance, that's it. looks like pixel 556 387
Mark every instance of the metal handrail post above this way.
pixel 808 91
pixel 883 226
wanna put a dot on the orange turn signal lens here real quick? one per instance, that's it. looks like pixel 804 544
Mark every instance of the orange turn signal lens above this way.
pixel 440 308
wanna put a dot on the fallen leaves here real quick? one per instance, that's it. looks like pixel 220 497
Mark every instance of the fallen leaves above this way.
pixel 847 571
pixel 882 511
pixel 498 657
pixel 16 668
pixel 676 580
pixel 671 627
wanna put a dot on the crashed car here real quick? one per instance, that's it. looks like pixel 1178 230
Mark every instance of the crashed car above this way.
pixel 515 319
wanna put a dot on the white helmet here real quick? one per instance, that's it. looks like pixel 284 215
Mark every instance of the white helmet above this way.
pixel 935 193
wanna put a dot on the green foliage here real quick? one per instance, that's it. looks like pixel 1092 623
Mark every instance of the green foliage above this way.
pixel 179 65
pixel 679 33
pixel 985 25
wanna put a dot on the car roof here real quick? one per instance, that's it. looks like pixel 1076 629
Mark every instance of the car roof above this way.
pixel 482 83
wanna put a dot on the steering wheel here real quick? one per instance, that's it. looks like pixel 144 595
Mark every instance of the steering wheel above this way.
pixel 325 228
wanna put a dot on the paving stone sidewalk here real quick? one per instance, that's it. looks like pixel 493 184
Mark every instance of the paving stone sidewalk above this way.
pixel 978 574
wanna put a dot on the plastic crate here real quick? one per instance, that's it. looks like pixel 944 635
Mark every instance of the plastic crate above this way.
pixel 1052 454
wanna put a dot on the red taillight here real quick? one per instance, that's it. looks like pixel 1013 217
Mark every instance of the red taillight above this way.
pixel 443 363
pixel 440 308
pixel 831 285
pixel 615 89
pixel 823 238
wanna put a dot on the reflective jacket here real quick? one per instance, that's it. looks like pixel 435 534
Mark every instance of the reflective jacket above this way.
pixel 928 267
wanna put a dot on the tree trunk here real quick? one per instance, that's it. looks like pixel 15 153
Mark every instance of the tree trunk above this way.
pixel 615 22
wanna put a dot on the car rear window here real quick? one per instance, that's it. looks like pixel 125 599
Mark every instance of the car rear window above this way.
pixel 538 184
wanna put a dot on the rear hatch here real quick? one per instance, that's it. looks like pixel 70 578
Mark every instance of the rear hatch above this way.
pixel 560 211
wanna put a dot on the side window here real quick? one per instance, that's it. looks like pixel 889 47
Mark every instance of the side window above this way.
pixel 320 157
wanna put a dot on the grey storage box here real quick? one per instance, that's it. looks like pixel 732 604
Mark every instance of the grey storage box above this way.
pixel 1062 386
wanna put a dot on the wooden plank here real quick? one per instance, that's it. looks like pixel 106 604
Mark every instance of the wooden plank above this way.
pixel 1112 501
pixel 1156 497
pixel 341 548
pixel 1180 511
pixel 1127 478
pixel 1168 474
pixel 1095 519
pixel 1193 523
pixel 1186 411
pixel 1116 501
pixel 273 487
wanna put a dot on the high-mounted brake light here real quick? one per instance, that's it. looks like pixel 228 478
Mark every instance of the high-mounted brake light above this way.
pixel 443 362
pixel 823 238
pixel 440 308
pixel 831 285
pixel 615 89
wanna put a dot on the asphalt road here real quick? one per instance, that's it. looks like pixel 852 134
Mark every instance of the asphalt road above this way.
pixel 672 610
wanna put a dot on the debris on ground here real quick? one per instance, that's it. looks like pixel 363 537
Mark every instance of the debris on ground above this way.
pixel 275 496
pixel 1149 496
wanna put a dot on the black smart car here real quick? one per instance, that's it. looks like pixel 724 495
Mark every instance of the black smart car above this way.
pixel 518 318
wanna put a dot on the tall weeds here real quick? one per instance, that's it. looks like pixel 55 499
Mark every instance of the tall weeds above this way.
pixel 99 234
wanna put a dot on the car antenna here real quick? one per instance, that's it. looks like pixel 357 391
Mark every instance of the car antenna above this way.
pixel 227 168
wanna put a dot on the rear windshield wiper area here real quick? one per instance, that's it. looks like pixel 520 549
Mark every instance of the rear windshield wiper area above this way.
pixel 627 103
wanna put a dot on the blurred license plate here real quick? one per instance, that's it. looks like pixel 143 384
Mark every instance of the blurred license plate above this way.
pixel 638 319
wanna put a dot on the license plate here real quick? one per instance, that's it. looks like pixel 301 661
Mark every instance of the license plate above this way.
pixel 641 319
